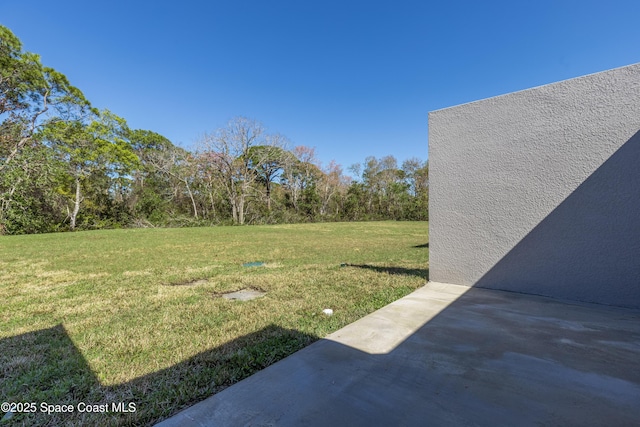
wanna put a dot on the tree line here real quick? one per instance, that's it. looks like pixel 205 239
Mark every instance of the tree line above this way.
pixel 65 165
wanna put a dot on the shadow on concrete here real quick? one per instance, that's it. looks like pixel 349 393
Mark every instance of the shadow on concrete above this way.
pixel 572 252
pixel 418 272
pixel 46 366
pixel 477 357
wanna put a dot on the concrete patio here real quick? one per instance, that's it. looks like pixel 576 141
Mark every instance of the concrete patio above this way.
pixel 450 355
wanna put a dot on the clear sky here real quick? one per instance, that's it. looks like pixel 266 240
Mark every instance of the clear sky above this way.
pixel 351 78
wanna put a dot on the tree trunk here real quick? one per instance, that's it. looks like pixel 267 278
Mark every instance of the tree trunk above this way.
pixel 213 205
pixel 241 209
pixel 193 202
pixel 269 195
pixel 6 203
pixel 234 209
pixel 76 206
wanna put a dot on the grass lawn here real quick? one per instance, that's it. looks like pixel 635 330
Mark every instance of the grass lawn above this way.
pixel 135 316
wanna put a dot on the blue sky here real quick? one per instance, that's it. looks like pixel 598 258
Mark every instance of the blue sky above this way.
pixel 350 78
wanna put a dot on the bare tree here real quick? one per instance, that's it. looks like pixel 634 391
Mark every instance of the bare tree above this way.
pixel 179 165
pixel 332 187
pixel 237 161
pixel 208 176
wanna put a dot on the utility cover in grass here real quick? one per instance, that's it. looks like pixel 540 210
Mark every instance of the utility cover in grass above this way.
pixel 244 295
pixel 253 264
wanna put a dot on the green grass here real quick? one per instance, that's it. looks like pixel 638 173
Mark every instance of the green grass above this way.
pixel 136 315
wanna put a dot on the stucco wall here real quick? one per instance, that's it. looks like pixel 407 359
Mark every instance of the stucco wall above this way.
pixel 538 191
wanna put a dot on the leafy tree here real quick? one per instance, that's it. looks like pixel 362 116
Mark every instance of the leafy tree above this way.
pixel 88 150
pixel 31 96
pixel 416 177
pixel 300 174
pixel 386 188
pixel 153 184
pixel 354 204
pixel 27 92
pixel 28 204
pixel 268 161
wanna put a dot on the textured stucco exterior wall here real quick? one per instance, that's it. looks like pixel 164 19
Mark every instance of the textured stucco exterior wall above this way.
pixel 538 191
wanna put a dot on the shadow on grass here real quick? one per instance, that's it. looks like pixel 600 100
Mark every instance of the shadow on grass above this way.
pixel 46 366
pixel 425 245
pixel 418 272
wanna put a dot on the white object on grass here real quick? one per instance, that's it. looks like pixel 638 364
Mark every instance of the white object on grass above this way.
pixel 327 311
